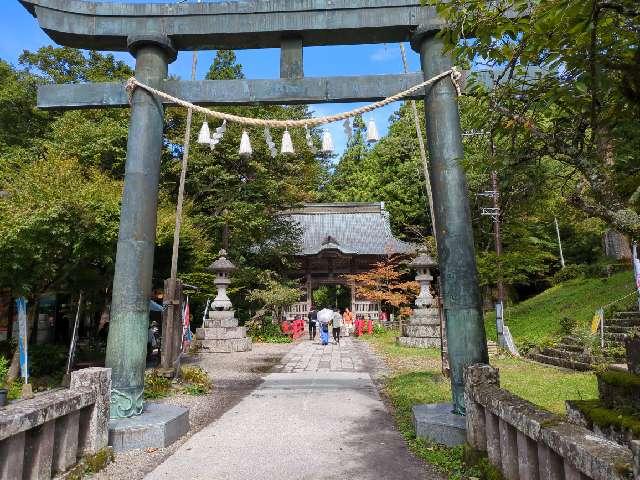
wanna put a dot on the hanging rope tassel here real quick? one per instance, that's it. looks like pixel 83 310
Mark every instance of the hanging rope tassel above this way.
pixel 204 137
pixel 327 142
pixel 287 144
pixel 309 138
pixel 372 132
pixel 245 145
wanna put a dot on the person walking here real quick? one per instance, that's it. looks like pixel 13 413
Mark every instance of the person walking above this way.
pixel 336 321
pixel 347 321
pixel 324 317
pixel 313 321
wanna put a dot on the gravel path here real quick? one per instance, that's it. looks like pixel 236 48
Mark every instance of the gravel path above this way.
pixel 234 377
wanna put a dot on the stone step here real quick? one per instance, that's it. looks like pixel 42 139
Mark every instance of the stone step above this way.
pixel 567 354
pixel 561 362
pixel 418 342
pixel 570 348
pixel 430 331
pixel 615 337
pixel 618 329
pixel 221 333
pixel 226 346
pixel 622 322
pixel 632 315
pixel 619 390
pixel 571 340
pixel 224 323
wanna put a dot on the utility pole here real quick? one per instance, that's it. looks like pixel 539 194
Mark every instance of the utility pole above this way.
pixel 494 213
pixel 169 355
pixel 555 219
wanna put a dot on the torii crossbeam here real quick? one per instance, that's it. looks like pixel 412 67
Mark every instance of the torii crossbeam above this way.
pixel 153 33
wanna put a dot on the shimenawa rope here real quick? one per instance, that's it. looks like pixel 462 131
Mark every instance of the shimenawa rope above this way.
pixel 134 83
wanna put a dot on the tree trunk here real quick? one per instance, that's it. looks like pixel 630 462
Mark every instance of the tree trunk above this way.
pixel 14 368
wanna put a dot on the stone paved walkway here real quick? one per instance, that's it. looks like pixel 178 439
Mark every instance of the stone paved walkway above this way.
pixel 318 416
pixel 314 357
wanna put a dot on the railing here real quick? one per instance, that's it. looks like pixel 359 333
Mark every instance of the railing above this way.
pixel 47 434
pixel 365 308
pixel 599 317
pixel 297 310
pixel 526 442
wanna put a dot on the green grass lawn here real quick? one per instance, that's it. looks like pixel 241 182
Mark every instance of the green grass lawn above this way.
pixel 416 378
pixel 538 318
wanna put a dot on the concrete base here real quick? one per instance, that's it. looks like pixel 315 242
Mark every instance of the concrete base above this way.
pixel 159 426
pixel 436 423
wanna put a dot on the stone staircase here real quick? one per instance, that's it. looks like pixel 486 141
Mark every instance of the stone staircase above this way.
pixel 618 327
pixel 569 353
pixel 572 353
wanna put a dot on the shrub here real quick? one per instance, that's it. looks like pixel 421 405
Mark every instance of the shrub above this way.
pixel 47 360
pixel 568 325
pixel 4 369
pixel 196 381
pixel 569 272
pixel 156 386
pixel 379 329
pixel 266 332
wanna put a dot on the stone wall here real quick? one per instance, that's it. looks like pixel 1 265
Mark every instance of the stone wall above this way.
pixel 47 434
pixel 526 442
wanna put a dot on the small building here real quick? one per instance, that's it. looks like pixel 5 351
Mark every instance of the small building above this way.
pixel 338 239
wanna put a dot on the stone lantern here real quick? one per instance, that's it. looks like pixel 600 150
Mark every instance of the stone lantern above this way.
pixel 222 268
pixel 422 330
pixel 220 332
pixel 423 264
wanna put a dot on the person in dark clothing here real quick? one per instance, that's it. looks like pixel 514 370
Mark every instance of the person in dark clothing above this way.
pixel 313 321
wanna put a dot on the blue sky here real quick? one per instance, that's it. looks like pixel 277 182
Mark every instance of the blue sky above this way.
pixel 20 32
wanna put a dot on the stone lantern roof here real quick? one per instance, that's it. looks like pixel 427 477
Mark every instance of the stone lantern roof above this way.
pixel 423 260
pixel 222 264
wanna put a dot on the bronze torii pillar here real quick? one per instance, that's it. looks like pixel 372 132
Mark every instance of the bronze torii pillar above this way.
pixel 466 337
pixel 136 240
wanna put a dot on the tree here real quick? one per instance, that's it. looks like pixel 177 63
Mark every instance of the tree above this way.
pixel 568 92
pixel 274 294
pixel 59 229
pixel 384 283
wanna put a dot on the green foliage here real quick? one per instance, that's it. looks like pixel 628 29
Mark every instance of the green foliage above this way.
pixel 4 369
pixel 274 294
pixel 92 464
pixel 568 325
pixel 538 318
pixel 265 331
pixel 47 360
pixel 51 236
pixel 379 329
pixel 580 100
pixel 625 380
pixel 195 380
pixel 569 272
pixel 605 418
pixel 156 386
pixel 15 389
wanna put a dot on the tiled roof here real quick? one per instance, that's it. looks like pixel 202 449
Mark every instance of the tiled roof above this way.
pixel 352 228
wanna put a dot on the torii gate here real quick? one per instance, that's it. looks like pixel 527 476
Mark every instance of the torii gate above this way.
pixel 153 33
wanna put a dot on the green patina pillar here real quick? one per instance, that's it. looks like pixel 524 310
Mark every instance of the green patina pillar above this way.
pixel 466 339
pixel 127 343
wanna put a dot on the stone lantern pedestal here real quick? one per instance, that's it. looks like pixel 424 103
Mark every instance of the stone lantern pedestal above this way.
pixel 422 330
pixel 220 332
